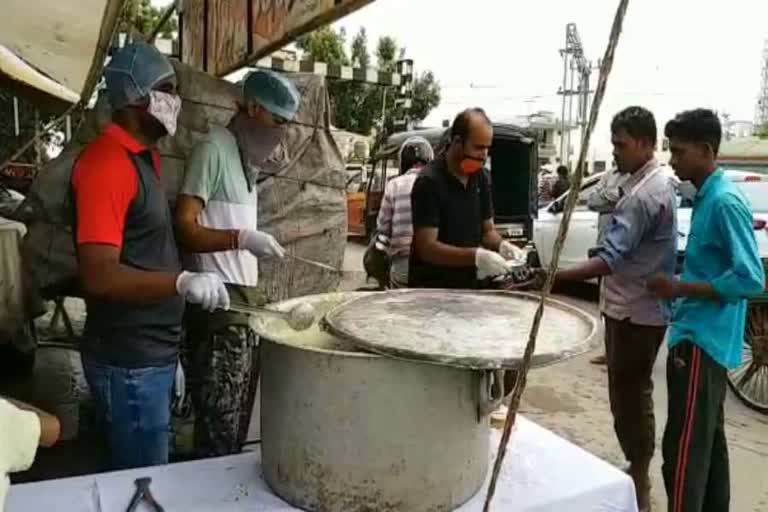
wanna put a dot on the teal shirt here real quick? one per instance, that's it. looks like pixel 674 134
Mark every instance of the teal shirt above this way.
pixel 721 251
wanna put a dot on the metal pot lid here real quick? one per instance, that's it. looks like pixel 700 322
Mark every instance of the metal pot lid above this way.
pixel 466 329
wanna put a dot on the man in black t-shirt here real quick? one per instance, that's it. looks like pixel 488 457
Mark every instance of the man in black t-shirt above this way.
pixel 455 242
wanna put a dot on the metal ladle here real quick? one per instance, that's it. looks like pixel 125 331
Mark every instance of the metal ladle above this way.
pixel 301 317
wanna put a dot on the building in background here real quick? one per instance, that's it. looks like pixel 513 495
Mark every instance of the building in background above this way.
pixel 547 127
pixel 738 129
pixel 353 146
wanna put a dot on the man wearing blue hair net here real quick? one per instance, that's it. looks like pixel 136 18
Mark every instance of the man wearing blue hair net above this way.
pixel 128 261
pixel 217 221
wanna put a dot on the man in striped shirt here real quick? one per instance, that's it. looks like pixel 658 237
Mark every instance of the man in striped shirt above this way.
pixel 394 219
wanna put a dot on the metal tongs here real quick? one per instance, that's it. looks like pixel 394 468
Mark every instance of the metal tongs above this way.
pixel 144 494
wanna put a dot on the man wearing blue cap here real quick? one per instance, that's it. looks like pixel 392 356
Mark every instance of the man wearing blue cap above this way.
pixel 217 220
pixel 128 261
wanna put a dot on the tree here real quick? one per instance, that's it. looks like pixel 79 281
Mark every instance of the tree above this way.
pixel 386 53
pixel 362 114
pixel 360 56
pixel 140 16
pixel 358 106
pixel 325 45
pixel 426 96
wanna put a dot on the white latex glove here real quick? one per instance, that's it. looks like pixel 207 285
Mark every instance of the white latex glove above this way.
pixel 489 264
pixel 180 386
pixel 205 289
pixel 511 252
pixel 260 244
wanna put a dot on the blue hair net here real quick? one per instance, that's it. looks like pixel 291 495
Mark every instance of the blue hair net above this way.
pixel 272 91
pixel 133 72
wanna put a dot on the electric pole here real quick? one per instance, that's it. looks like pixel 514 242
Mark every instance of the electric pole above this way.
pixel 576 73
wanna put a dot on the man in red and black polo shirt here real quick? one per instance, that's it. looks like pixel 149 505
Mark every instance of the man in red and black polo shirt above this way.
pixel 128 261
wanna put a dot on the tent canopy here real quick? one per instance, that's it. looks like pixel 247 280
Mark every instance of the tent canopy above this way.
pixel 62 41
pixel 16 70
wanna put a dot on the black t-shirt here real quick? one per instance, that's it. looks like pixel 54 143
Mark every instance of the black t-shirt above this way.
pixel 562 185
pixel 439 200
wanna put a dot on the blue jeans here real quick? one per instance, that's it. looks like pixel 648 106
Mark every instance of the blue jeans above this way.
pixel 135 405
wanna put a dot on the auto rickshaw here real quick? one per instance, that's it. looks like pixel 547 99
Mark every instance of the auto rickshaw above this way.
pixel 513 166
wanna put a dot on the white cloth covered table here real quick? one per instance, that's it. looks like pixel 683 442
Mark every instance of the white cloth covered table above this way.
pixel 543 472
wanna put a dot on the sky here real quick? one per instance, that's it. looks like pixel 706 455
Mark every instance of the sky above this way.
pixel 673 54
pixel 503 55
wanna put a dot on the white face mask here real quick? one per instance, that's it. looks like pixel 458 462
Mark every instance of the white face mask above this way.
pixel 165 108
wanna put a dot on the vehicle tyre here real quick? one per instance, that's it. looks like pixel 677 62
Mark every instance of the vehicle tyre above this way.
pixel 750 380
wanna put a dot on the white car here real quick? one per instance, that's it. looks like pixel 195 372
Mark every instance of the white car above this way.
pixel 582 234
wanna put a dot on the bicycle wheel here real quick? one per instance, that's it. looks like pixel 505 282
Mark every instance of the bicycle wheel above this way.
pixel 750 380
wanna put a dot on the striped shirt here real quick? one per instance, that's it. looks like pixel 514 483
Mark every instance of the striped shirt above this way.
pixel 395 219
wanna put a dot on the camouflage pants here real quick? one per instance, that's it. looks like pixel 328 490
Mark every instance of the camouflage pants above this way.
pixel 223 375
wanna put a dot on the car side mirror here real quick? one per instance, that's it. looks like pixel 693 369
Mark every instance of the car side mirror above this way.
pixel 556 207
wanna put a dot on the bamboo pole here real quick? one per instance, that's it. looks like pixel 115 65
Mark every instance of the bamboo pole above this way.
pixel 522 377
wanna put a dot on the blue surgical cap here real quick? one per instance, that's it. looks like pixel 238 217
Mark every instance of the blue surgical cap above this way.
pixel 272 91
pixel 133 72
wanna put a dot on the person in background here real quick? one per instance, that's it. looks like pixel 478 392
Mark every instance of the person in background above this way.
pixel 394 220
pixel 722 269
pixel 217 219
pixel 603 200
pixel 546 181
pixel 22 429
pixel 640 241
pixel 604 197
pixel 129 267
pixel 563 183
pixel 455 242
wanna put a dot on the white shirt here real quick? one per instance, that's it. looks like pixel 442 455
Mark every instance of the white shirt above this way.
pixel 19 437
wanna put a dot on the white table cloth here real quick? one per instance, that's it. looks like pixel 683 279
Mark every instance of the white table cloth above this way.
pixel 542 472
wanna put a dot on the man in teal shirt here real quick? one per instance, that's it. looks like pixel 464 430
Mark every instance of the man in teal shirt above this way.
pixel 722 270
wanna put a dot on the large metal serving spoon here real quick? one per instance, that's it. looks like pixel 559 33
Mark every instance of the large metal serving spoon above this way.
pixel 300 317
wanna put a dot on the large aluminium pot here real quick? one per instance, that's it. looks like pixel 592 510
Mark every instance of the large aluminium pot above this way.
pixel 351 431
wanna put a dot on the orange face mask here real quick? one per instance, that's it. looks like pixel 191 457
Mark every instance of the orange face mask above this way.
pixel 471 165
